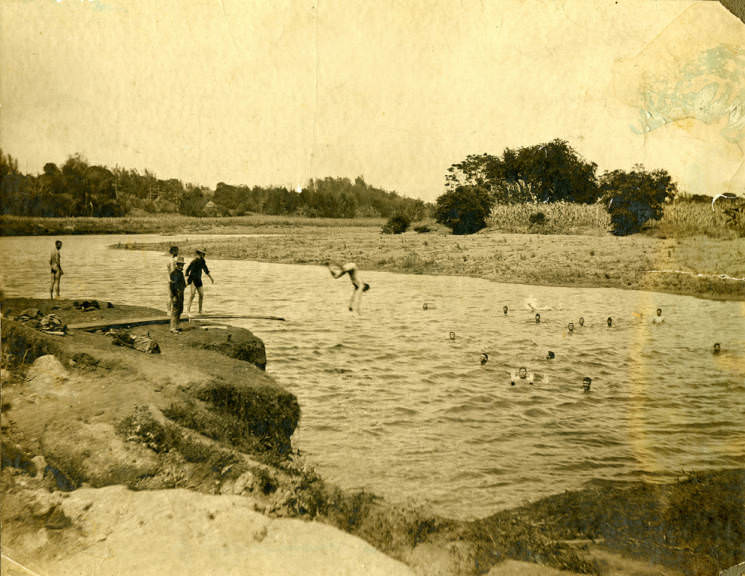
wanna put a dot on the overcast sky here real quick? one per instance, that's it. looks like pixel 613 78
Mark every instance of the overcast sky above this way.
pixel 273 92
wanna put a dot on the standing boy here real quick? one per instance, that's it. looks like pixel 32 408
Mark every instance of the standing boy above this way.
pixel 55 265
pixel 194 278
pixel 177 286
pixel 170 267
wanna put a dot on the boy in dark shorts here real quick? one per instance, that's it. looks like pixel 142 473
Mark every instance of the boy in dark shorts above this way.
pixel 194 278
pixel 177 286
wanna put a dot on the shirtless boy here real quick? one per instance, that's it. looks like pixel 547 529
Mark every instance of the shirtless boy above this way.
pixel 359 286
pixel 55 265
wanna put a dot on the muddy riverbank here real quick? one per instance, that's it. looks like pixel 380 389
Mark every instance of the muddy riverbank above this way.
pixel 198 437
pixel 695 266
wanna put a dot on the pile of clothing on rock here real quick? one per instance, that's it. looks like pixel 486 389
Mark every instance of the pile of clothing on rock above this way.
pixel 141 343
pixel 48 323
pixel 88 305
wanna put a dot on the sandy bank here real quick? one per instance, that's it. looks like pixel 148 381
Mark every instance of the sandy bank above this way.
pixel 699 266
pixel 106 450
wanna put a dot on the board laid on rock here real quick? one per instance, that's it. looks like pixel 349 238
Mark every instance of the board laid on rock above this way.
pixel 145 321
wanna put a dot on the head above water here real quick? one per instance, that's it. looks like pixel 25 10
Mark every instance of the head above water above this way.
pixel 570 326
pixel 522 372
pixel 484 358
pixel 505 310
pixel 581 321
pixel 717 348
pixel 659 311
pixel 58 244
pixel 550 355
pixel 610 321
pixel 537 318
pixel 586 383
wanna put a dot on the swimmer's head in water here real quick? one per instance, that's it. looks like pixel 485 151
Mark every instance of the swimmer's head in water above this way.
pixel 505 310
pixel 537 318
pixel 452 335
pixel 610 321
pixel 365 287
pixel 659 311
pixel 484 358
pixel 570 326
pixel 586 383
pixel 522 372
pixel 581 321
pixel 425 306
pixel 550 355
pixel 717 348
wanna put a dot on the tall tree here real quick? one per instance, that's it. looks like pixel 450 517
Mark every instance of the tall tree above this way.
pixel 549 172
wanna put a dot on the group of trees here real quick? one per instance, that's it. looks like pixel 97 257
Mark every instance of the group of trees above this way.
pixel 80 189
pixel 550 172
pixel 75 189
pixel 327 197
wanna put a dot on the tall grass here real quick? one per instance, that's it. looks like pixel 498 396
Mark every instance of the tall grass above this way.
pixel 559 218
pixel 685 219
pixel 680 219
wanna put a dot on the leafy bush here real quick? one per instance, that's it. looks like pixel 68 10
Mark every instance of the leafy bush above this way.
pixel 537 218
pixel 397 224
pixel 635 197
pixel 464 210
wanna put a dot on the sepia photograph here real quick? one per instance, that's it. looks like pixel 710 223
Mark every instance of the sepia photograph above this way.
pixel 342 287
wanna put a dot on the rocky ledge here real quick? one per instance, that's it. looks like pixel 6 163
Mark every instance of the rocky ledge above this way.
pixel 137 451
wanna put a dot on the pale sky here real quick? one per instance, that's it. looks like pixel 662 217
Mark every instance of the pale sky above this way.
pixel 272 92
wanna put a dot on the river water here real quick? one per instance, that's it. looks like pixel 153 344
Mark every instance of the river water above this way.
pixel 391 403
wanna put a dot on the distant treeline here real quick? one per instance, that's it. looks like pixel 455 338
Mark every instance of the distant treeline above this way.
pixel 80 189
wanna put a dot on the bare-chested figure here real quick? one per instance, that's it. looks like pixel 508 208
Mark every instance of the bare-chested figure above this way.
pixel 359 286
pixel 55 265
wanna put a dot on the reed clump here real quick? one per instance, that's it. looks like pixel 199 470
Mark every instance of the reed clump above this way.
pixel 550 218
pixel 684 218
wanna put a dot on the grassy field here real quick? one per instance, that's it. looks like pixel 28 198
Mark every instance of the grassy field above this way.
pixel 166 224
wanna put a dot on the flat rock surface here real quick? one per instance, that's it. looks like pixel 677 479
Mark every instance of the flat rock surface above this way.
pixel 177 532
